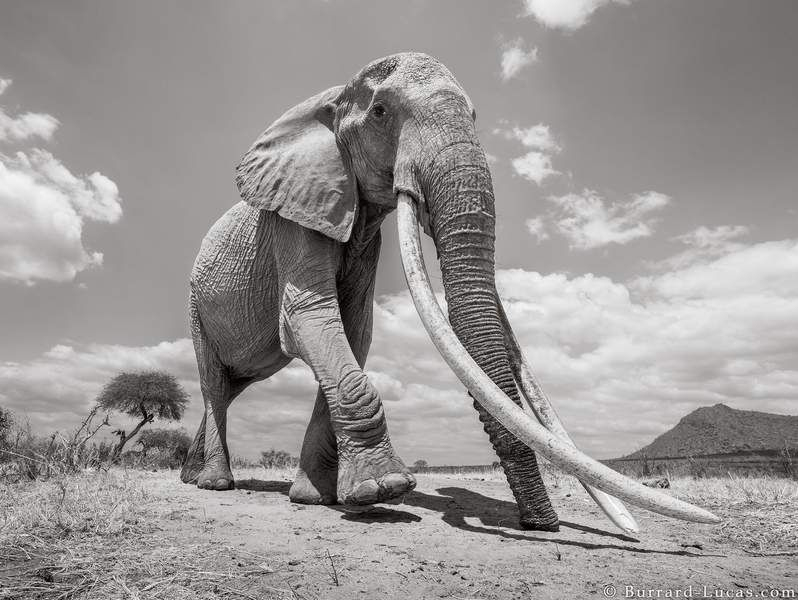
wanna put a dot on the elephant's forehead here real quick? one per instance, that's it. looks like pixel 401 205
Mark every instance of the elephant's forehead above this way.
pixel 414 73
pixel 407 68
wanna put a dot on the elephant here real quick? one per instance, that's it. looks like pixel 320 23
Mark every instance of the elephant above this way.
pixel 289 272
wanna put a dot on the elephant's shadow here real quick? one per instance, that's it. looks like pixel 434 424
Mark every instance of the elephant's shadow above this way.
pixel 458 506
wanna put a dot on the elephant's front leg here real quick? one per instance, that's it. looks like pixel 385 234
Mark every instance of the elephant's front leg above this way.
pixel 369 470
pixel 316 481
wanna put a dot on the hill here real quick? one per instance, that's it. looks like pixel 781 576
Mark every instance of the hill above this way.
pixel 718 429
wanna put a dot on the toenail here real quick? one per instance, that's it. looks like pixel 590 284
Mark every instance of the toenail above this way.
pixel 366 492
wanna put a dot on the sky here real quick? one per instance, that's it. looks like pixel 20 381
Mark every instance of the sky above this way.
pixel 645 164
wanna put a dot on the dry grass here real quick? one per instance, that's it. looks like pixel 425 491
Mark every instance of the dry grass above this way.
pixel 734 490
pixel 761 513
pixel 108 535
pixel 96 535
pixel 53 531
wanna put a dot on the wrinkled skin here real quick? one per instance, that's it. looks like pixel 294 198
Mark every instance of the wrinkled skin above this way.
pixel 274 282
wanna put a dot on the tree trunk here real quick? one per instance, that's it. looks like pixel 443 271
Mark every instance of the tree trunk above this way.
pixel 123 438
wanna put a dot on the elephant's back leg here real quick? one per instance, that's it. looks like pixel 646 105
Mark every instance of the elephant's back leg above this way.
pixel 195 458
pixel 208 462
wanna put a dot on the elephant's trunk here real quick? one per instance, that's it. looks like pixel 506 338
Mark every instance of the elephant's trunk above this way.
pixel 454 186
pixel 462 219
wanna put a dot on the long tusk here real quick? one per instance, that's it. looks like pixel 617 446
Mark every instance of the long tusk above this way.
pixel 544 411
pixel 514 418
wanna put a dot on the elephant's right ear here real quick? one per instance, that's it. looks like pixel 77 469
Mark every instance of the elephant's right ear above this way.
pixel 296 169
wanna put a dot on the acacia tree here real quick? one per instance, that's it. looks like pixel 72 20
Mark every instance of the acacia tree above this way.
pixel 147 395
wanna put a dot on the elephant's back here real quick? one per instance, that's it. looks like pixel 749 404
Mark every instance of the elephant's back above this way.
pixel 234 281
pixel 229 250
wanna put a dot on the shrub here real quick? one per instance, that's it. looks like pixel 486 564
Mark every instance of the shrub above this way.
pixel 277 459
pixel 163 448
pixel 27 455
pixel 419 465
pixel 6 424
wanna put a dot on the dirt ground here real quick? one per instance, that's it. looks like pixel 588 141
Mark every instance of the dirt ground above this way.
pixel 451 538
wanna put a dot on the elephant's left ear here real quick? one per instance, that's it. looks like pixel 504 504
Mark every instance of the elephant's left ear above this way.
pixel 296 169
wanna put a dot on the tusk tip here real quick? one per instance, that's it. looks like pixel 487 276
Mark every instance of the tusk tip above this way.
pixel 713 519
pixel 700 515
pixel 628 526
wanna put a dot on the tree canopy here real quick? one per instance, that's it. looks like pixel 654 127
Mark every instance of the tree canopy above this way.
pixel 154 393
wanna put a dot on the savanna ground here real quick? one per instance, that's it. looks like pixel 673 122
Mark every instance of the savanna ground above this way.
pixel 141 534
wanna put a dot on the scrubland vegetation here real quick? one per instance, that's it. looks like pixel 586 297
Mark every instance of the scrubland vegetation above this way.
pixel 80 520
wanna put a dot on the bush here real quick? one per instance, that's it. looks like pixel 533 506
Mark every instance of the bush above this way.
pixel 28 456
pixel 163 448
pixel 419 466
pixel 6 424
pixel 277 459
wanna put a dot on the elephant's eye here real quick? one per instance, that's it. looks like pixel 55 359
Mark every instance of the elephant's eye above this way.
pixel 378 110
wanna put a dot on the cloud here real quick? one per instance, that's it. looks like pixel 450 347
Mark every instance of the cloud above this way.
pixel 703 243
pixel 715 239
pixel 43 207
pixel 536 164
pixel 25 126
pixel 537 227
pixel 42 211
pixel 565 14
pixel 536 137
pixel 588 222
pixel 515 57
pixel 622 361
pixel 764 269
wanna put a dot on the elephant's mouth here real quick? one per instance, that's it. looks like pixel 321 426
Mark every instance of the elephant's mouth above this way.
pixel 547 437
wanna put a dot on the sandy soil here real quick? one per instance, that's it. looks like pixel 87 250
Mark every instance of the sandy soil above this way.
pixel 451 538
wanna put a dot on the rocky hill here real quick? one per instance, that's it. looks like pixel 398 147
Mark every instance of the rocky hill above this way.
pixel 718 429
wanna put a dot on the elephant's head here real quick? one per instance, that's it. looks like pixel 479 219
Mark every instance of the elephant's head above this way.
pixel 402 132
pixel 397 126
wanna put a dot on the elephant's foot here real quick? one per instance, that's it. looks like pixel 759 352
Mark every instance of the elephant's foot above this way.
pixel 216 476
pixel 318 489
pixel 373 474
pixel 190 471
pixel 195 457
pixel 193 466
